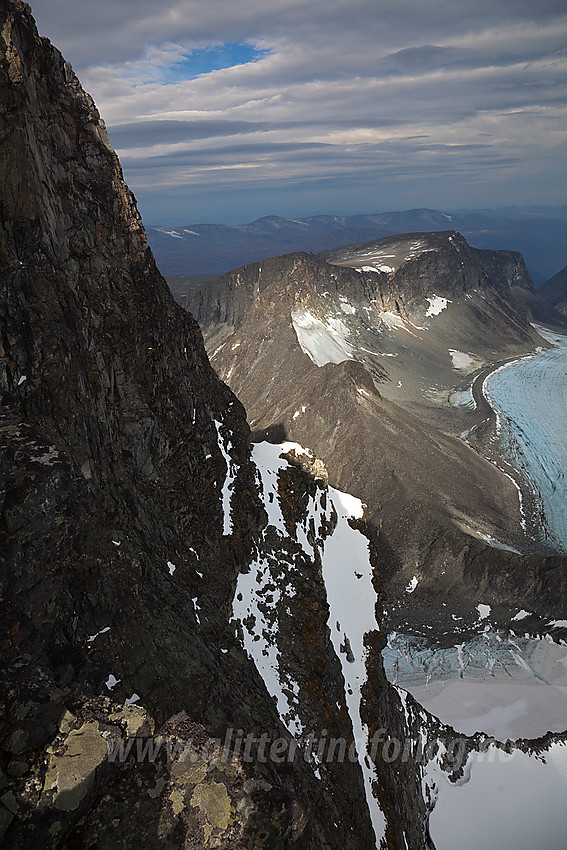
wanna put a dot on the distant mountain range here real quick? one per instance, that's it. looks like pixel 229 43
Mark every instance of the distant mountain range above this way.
pixel 538 233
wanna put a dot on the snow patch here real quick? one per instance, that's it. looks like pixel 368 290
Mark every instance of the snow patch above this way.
pixel 412 585
pixel 347 308
pixel 436 305
pixel 194 600
pixel 297 413
pixel 324 341
pixel 347 574
pixel 231 471
pixel 496 544
pixel 101 632
pixel 379 267
pixel 461 360
pixel 521 615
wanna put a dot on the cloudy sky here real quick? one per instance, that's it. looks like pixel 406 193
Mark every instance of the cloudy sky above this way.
pixel 227 110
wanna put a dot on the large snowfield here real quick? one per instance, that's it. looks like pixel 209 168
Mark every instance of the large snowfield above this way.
pixel 504 801
pixel 506 685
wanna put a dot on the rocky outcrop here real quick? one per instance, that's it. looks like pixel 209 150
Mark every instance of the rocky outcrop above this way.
pixel 182 787
pixel 108 400
pixel 443 257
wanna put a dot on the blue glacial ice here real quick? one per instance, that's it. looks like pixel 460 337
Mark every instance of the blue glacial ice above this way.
pixel 529 397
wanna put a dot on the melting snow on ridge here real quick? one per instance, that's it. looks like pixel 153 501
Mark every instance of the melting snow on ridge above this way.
pixel 347 574
pixel 251 600
pixel 436 305
pixel 461 360
pixel 231 470
pixel 257 595
pixel 322 341
pixel 377 267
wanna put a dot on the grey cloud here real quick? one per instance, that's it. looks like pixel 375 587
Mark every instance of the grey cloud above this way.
pixel 107 31
pixel 163 132
pixel 147 133
pixel 416 97
pixel 387 156
pixel 227 154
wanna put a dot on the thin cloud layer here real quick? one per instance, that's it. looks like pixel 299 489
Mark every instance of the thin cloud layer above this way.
pixel 226 111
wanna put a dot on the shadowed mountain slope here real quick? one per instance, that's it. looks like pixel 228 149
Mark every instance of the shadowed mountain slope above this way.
pixel 554 290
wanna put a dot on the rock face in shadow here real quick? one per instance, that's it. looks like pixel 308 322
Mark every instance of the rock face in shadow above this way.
pixel 129 507
pixel 554 291
pixel 112 461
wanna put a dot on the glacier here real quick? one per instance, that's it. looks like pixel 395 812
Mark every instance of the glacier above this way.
pixel 529 397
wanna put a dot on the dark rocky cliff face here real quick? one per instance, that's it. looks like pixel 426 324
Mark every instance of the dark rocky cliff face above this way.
pixel 443 257
pixel 119 552
pixel 108 398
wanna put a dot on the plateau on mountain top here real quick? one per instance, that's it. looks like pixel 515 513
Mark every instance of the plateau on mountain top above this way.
pixel 209 249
